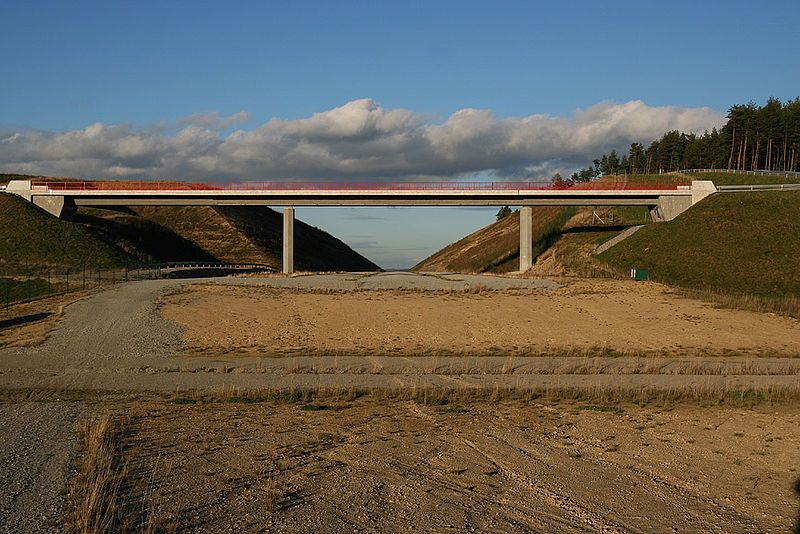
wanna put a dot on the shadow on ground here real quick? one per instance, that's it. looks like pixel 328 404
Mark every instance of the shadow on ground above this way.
pixel 797 491
pixel 24 319
pixel 590 229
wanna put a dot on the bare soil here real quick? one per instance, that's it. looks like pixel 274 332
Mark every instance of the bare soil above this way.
pixel 372 466
pixel 381 462
pixel 586 315
pixel 28 324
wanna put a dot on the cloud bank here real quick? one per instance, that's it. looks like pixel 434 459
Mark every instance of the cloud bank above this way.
pixel 358 140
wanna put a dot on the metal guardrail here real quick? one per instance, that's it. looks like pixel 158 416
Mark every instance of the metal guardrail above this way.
pixel 200 265
pixel 785 174
pixel 761 187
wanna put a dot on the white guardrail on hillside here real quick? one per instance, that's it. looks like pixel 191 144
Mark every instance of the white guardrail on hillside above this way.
pixel 762 187
pixel 754 187
pixel 784 174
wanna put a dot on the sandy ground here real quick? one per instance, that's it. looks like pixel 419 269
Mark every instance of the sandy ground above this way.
pixel 171 334
pixel 622 316
pixel 370 466
pixel 397 465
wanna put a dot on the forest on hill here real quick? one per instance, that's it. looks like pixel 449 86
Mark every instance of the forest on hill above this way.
pixel 753 138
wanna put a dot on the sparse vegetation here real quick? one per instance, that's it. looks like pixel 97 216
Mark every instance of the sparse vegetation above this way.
pixel 95 493
pixel 12 290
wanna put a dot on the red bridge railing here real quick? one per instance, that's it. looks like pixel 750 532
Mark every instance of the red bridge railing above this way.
pixel 124 185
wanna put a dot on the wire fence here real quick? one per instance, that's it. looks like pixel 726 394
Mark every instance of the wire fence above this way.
pixel 20 283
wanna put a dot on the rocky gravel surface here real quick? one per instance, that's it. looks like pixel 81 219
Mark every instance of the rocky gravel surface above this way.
pixel 38 440
pixel 394 280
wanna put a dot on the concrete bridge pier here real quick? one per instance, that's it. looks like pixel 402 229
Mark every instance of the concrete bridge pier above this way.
pixel 288 240
pixel 525 238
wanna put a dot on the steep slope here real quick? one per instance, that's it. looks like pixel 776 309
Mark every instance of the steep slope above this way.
pixel 736 242
pixel 563 240
pixel 105 237
pixel 29 236
pixel 495 248
pixel 255 234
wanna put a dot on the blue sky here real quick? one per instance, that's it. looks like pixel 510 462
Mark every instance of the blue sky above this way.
pixel 149 65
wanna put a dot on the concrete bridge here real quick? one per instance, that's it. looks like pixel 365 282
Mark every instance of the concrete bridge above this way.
pixel 664 199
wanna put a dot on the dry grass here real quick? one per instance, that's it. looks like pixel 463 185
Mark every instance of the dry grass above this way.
pixel 788 305
pixel 95 493
pixel 600 394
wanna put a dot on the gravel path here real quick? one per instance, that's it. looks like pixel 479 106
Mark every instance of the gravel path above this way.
pixel 38 442
pixel 396 280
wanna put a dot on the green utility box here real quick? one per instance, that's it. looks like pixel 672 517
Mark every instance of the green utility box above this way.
pixel 640 274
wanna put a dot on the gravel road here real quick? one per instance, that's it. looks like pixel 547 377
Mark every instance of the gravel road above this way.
pixel 38 441
pixel 397 280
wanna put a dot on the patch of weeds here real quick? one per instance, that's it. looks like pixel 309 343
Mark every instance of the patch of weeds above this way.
pixel 316 407
pixel 287 397
pixel 241 400
pixel 453 409
pixel 746 396
pixel 183 401
pixel 608 409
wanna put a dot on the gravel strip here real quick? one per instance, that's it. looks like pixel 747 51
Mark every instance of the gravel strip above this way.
pixel 39 441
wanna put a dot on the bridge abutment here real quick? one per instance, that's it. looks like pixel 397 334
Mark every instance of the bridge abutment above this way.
pixel 669 207
pixel 288 240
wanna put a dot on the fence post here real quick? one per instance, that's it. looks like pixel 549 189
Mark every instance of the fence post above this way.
pixel 84 277
pixel 67 280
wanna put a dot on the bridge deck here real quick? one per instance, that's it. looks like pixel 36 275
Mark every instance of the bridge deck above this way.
pixel 97 193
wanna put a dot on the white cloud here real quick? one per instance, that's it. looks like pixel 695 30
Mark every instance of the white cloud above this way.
pixel 358 140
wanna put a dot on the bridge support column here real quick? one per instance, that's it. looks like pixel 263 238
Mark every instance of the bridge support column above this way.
pixel 525 238
pixel 288 240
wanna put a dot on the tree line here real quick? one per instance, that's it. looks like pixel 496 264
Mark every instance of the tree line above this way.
pixel 753 138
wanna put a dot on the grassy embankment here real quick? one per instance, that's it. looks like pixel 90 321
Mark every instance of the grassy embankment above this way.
pixel 742 247
pixel 12 290
pixel 32 238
